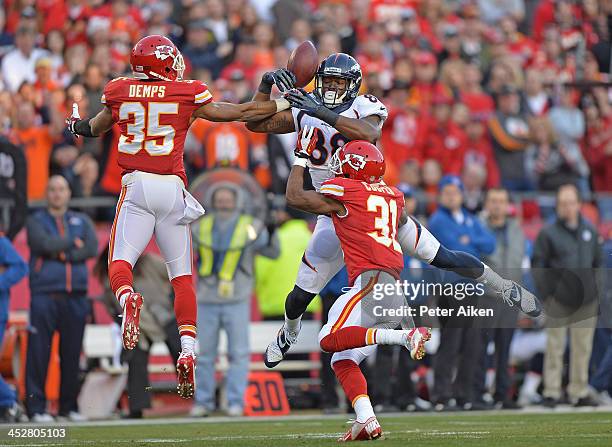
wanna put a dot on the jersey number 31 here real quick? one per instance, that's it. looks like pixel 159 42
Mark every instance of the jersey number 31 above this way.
pixel 385 222
pixel 144 125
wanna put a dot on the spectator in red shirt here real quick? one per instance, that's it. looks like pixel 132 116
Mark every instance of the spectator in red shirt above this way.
pixel 425 83
pixel 478 149
pixel 245 61
pixel 544 16
pixel 373 58
pixel 597 144
pixel 44 82
pixel 472 94
pixel 444 141
pixel 519 45
pixel 537 101
pixel 550 58
pixel 452 73
pixel 403 133
pixel 432 174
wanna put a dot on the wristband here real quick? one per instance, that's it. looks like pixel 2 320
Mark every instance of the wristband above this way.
pixel 281 104
pixel 299 161
pixel 83 128
pixel 264 87
pixel 329 116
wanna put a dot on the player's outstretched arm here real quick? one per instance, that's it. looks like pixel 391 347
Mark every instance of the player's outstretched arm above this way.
pixel 283 78
pixel 91 127
pixel 309 201
pixel 248 111
pixel 368 128
pixel 281 122
pixel 296 195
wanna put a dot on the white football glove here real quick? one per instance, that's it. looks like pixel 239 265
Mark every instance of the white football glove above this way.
pixel 72 119
pixel 306 142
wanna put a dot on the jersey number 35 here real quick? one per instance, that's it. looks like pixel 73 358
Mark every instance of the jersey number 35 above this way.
pixel 145 124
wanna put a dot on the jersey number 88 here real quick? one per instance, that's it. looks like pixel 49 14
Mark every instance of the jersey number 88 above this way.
pixel 320 154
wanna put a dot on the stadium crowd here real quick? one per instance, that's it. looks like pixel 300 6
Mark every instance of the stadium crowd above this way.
pixel 512 97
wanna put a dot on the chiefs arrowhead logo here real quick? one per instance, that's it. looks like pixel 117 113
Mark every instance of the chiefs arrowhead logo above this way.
pixel 163 52
pixel 355 161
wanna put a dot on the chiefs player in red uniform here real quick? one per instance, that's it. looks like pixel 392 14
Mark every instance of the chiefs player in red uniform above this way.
pixel 366 214
pixel 154 109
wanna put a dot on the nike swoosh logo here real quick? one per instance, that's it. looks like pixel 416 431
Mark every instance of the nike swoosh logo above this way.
pixel 281 341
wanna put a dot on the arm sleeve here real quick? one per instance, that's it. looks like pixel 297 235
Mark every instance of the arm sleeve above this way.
pixel 16 267
pixel 90 244
pixel 42 243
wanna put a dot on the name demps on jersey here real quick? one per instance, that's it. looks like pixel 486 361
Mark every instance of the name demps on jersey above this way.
pixel 153 118
pixel 329 139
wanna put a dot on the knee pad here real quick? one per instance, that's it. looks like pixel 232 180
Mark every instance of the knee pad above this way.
pixel 297 301
pixel 417 241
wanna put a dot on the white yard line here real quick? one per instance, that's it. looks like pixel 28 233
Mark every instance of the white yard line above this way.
pixel 307 417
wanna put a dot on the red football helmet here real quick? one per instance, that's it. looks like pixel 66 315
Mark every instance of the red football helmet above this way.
pixel 157 57
pixel 358 160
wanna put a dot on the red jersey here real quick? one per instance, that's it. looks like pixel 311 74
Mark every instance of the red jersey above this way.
pixel 368 232
pixel 445 142
pixel 153 117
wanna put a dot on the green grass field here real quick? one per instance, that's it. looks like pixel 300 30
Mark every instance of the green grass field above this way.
pixel 579 429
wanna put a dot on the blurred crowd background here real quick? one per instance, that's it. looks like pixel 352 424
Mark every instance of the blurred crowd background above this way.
pixel 509 96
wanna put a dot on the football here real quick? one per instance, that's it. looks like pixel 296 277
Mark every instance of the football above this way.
pixel 303 63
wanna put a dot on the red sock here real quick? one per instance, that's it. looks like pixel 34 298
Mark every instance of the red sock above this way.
pixel 185 305
pixel 351 378
pixel 344 338
pixel 120 277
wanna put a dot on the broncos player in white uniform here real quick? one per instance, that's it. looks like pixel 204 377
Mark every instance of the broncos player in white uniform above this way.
pixel 340 114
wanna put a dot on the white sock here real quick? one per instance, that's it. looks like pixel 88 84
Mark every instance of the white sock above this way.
pixel 390 337
pixel 293 325
pixel 123 297
pixel 187 344
pixel 363 408
pixel 531 383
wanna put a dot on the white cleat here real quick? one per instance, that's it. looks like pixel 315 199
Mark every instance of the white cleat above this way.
pixel 415 341
pixel 513 293
pixel 363 431
pixel 185 370
pixel 276 350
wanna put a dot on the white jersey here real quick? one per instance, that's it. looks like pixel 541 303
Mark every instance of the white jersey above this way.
pixel 329 138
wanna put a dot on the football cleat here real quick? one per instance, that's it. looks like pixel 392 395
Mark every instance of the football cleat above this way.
pixel 363 431
pixel 185 369
pixel 276 350
pixel 130 322
pixel 512 293
pixel 415 341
